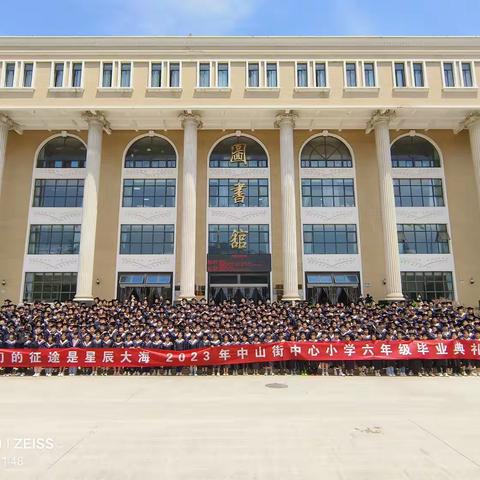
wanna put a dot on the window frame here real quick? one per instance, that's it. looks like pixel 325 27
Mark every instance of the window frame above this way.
pixel 102 68
pixel 364 73
pixel 67 80
pixel 119 73
pixel 429 246
pixel 260 228
pixel 80 184
pixel 116 75
pixel 412 74
pixel 345 76
pixel 413 159
pixel 166 185
pixel 409 66
pixel 405 74
pixel 408 184
pixel 322 183
pixel 471 63
pixel 150 74
pixel 454 72
pixel 62 275
pixel 211 81
pixel 419 277
pixel 21 83
pixel 277 72
pixel 229 74
pixel 15 74
pixel 76 231
pixel 164 76
pixel 262 75
pixel 312 226
pixel 54 167
pixel 142 243
pixel 168 73
pixel 52 74
pixel 148 167
pixel 247 196
pixel 18 76
pixel 361 76
pixel 82 74
pixel 247 77
pixel 312 76
pixel 214 75
pixel 309 82
pixel 459 83
pixel 327 84
pixel 343 160
pixel 236 166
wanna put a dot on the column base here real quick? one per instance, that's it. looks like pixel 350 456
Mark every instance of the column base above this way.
pixel 186 297
pixel 85 300
pixel 393 297
pixel 291 298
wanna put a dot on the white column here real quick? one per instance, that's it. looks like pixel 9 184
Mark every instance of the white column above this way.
pixel 6 124
pixel 380 124
pixel 96 123
pixel 4 128
pixel 286 123
pixel 473 125
pixel 190 123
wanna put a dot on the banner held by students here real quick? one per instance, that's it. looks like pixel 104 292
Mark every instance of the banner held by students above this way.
pixel 238 354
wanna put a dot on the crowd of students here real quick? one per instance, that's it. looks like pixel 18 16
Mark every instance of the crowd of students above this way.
pixel 196 324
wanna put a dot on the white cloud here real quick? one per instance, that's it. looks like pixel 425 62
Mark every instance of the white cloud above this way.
pixel 180 17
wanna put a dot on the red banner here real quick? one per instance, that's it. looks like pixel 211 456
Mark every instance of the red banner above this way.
pixel 235 354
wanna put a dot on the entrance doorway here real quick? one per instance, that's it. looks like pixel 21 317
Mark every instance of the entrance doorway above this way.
pixel 331 287
pixel 141 286
pixel 236 286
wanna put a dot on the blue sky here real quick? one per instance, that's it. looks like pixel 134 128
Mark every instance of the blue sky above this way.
pixel 240 17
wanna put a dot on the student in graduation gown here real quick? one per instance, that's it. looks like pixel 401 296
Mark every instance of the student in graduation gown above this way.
pixel 226 342
pixel 215 342
pixel 63 342
pixel 74 343
pixel 86 343
pixel 168 345
pixel 118 343
pixel 50 343
pixel 192 343
pixel 97 343
pixel 180 345
pixel 156 344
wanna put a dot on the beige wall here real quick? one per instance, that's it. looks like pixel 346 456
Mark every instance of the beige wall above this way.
pixel 189 97
pixel 271 140
pixel 464 212
pixel 109 203
pixel 368 203
pixel 14 207
pixel 460 188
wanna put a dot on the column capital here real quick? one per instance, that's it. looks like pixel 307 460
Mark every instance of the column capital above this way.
pixel 472 119
pixel 378 118
pixel 97 118
pixel 10 124
pixel 285 118
pixel 189 117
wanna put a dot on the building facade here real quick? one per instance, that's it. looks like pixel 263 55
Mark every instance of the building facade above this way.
pixel 226 167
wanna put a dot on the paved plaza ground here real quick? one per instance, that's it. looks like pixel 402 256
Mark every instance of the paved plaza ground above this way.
pixel 225 428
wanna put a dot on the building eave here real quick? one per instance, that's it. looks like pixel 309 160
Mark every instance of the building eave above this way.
pixel 251 43
pixel 236 117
